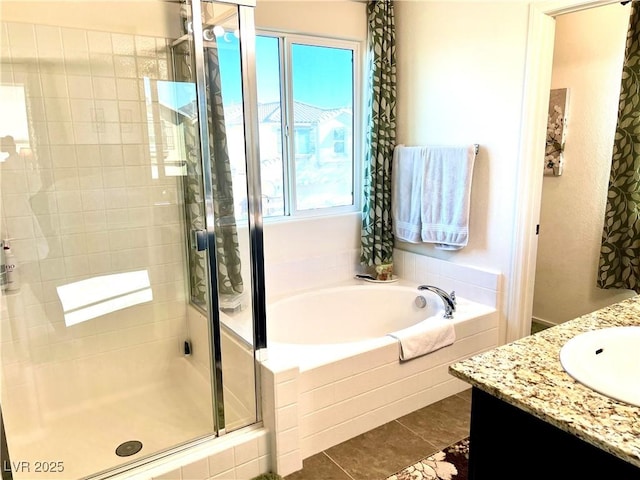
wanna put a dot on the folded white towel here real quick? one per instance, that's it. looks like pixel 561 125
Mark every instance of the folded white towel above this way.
pixel 447 195
pixel 406 192
pixel 425 337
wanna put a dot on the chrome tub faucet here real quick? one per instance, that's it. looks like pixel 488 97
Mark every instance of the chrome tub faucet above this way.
pixel 449 299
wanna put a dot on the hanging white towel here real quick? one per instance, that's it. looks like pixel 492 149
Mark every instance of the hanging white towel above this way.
pixel 406 192
pixel 446 196
pixel 425 337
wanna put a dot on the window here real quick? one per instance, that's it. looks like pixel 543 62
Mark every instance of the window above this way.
pixel 308 116
pixel 338 141
pixel 14 125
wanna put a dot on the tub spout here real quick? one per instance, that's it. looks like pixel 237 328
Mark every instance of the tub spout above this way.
pixel 449 299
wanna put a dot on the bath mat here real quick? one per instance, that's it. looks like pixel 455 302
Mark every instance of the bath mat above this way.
pixel 450 463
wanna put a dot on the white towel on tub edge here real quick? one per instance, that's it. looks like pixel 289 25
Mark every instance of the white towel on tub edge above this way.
pixel 425 337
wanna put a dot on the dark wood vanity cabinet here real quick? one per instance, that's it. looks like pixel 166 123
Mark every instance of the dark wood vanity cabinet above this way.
pixel 508 443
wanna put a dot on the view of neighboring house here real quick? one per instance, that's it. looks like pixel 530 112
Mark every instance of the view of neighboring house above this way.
pixel 323 149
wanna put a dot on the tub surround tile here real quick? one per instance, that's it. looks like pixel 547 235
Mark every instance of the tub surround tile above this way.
pixel 287 392
pixel 221 462
pixel 287 417
pixel 473 283
pixel 289 462
pixel 281 418
pixel 527 374
pixel 195 470
pixel 403 389
pixel 288 442
pixel 247 470
pixel 477 284
pixel 310 272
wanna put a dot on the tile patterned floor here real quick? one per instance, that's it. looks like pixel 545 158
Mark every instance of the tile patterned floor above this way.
pixel 385 450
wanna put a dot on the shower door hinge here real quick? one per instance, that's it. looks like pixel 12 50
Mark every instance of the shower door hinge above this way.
pixel 199 240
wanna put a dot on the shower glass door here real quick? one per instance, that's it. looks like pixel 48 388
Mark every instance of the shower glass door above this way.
pixel 109 323
pixel 221 219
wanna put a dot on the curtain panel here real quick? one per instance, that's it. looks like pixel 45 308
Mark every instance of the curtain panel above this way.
pixel 227 246
pixel 377 233
pixel 619 265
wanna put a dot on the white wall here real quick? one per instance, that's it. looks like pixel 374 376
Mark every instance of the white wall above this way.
pixel 340 19
pixel 588 57
pixel 131 16
pixel 460 80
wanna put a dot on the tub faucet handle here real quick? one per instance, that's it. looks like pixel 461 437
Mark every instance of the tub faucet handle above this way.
pixel 449 299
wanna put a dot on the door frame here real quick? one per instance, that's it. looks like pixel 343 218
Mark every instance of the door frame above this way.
pixel 535 104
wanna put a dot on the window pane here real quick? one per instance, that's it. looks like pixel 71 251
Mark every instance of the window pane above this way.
pixel 323 126
pixel 269 118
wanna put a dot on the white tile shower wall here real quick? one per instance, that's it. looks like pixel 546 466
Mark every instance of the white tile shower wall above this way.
pixel 83 197
pixel 480 285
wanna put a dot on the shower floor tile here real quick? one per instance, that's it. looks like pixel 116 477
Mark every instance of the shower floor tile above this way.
pixel 160 417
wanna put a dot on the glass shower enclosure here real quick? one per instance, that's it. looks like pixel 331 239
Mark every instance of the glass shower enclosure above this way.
pixel 132 293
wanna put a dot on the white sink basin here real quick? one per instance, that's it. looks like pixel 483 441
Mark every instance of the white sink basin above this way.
pixel 607 361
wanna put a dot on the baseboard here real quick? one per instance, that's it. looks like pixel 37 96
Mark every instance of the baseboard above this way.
pixel 544 322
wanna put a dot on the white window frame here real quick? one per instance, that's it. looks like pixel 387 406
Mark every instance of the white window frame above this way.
pixel 285 42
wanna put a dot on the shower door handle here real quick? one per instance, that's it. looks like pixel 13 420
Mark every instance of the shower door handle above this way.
pixel 199 240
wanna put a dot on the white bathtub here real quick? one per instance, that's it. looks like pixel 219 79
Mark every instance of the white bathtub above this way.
pixel 317 327
pixel 336 373
pixel 347 314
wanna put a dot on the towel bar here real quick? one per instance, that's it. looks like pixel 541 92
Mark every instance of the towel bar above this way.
pixel 477 147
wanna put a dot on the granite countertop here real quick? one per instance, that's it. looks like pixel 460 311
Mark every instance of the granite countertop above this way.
pixel 527 374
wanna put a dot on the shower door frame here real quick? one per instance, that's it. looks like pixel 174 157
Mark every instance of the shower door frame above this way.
pixel 254 207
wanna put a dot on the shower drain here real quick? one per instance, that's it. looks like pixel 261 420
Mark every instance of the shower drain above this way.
pixel 129 448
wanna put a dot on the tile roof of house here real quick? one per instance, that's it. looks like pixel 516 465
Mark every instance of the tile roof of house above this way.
pixel 269 112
